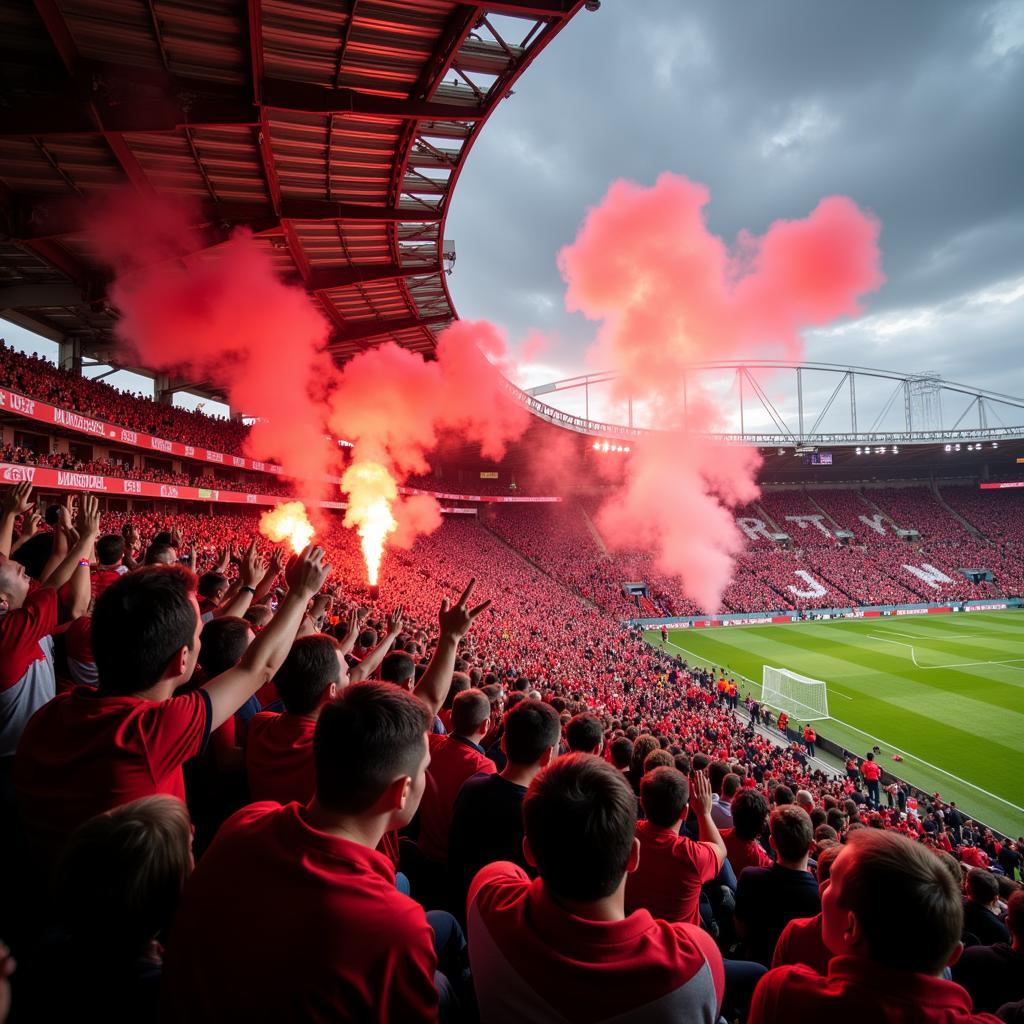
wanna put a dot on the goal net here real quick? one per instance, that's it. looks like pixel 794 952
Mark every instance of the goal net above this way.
pixel 797 695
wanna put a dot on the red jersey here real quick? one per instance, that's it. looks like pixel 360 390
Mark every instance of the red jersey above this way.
pixel 857 990
pixel 27 679
pixel 744 853
pixel 343 943
pixel 671 871
pixel 84 753
pixel 534 961
pixel 870 771
pixel 279 757
pixel 452 761
pixel 801 943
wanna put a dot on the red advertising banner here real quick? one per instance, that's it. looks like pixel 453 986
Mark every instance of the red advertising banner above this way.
pixel 1003 485
pixel 31 408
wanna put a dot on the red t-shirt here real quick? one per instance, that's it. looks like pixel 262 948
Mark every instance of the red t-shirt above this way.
pixel 281 922
pixel 279 757
pixel 452 761
pixel 801 943
pixel 27 679
pixel 671 871
pixel 870 771
pixel 533 961
pixel 83 754
pixel 857 990
pixel 744 853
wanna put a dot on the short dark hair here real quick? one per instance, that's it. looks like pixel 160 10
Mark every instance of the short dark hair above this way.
pixel 1015 914
pixel 211 582
pixel 717 772
pixel 224 641
pixel 110 549
pixel 982 886
pixel 731 785
pixel 531 727
pixel 156 553
pixel 783 796
pixel 580 819
pixel 749 813
pixel 906 901
pixel 791 831
pixel 584 732
pixel 470 710
pixel 460 682
pixel 622 752
pixel 139 623
pixel 306 673
pixel 664 794
pixel 398 668
pixel 371 735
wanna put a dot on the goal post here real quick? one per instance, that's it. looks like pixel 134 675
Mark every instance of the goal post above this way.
pixel 799 696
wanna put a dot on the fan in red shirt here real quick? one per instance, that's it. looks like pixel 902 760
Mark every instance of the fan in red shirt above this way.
pixel 305 887
pixel 29 613
pixel 562 947
pixel 891 917
pixel 279 747
pixel 90 750
pixel 672 868
pixel 742 841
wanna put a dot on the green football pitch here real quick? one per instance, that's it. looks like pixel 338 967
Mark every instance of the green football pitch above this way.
pixel 946 692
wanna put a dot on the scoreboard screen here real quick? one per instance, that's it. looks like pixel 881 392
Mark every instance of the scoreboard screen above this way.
pixel 818 459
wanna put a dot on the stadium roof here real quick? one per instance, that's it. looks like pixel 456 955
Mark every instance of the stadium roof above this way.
pixel 335 130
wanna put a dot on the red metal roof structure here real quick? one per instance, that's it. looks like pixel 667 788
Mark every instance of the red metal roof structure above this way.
pixel 334 129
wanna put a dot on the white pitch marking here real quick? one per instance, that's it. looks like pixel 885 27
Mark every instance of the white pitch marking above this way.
pixel 898 643
pixel 939 636
pixel 972 664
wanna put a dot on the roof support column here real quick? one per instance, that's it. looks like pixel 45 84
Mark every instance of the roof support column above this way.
pixel 163 392
pixel 69 355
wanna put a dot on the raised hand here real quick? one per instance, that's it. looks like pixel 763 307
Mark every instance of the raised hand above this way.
pixel 253 566
pixel 31 525
pixel 396 620
pixel 89 516
pixel 700 794
pixel 307 572
pixel 456 620
pixel 223 561
pixel 18 499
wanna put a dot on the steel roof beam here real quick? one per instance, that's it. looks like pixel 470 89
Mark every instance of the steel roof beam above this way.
pixel 532 8
pixel 364 331
pixel 324 280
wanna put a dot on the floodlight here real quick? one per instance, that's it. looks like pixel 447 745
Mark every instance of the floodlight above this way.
pixel 949 447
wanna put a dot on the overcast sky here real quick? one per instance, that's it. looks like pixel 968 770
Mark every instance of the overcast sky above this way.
pixel 913 109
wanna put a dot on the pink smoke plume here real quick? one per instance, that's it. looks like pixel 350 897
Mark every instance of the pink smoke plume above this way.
pixel 669 294
pixel 230 319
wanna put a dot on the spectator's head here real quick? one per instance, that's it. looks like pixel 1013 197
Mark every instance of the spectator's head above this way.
pixel 223 641
pixel 791 834
pixel 717 772
pixel 160 554
pixel 110 550
pixel 664 796
pixel 749 814
pixel 314 671
pixel 805 800
pixel 826 857
pixel 531 735
pixel 14 583
pixel 585 734
pixel 399 669
pixel 258 615
pixel 783 796
pixel 658 759
pixel 471 714
pixel 982 887
pixel 367 639
pixel 213 586
pixel 642 746
pixel 371 754
pixel 580 818
pixel 460 682
pixel 119 878
pixel 1015 919
pixel 146 631
pixel 893 901
pixel 731 785
pixel 622 752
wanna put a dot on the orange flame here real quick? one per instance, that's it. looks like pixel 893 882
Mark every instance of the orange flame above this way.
pixel 287 521
pixel 371 491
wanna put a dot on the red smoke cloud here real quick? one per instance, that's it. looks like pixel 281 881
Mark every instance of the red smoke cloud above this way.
pixel 669 294
pixel 230 319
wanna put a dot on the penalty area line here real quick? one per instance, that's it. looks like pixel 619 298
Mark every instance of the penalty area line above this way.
pixel 898 643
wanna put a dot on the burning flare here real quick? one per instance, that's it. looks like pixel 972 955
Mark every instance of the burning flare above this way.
pixel 289 522
pixel 371 491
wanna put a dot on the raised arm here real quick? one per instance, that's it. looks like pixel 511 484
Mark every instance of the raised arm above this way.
pixel 17 501
pixel 700 807
pixel 277 560
pixel 372 661
pixel 250 572
pixel 81 550
pixel 455 622
pixel 231 689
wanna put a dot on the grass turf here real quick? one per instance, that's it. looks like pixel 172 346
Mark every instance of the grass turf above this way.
pixel 946 692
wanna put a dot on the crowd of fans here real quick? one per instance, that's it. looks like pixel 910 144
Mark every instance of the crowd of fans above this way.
pixel 278 794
